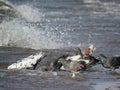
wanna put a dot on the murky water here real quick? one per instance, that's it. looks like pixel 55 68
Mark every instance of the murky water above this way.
pixel 56 27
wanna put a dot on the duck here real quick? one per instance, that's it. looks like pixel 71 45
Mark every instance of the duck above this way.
pixel 111 63
pixel 62 63
pixel 77 67
pixel 86 55
pixel 86 51
pixel 28 62
pixel 81 54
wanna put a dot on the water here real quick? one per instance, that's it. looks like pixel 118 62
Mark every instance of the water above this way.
pixel 55 26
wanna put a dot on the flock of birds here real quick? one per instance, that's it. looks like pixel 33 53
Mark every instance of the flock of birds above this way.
pixel 82 60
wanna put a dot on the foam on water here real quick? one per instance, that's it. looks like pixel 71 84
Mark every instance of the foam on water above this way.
pixel 19 34
pixel 29 13
pixel 91 1
pixel 47 26
pixel 27 31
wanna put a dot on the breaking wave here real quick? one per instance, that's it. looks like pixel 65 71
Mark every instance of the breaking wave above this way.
pixel 27 31
pixel 57 24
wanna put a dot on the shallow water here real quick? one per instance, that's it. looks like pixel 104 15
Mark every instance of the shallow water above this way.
pixel 56 27
pixel 95 78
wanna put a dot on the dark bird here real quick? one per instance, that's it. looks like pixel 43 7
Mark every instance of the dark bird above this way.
pixel 109 62
pixel 73 66
pixel 86 55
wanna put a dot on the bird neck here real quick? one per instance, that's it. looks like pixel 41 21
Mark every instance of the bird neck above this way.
pixel 103 59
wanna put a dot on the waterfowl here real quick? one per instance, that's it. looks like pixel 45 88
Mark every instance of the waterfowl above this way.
pixel 58 63
pixel 89 50
pixel 76 67
pixel 73 66
pixel 86 55
pixel 91 60
pixel 29 62
pixel 109 62
pixel 81 54
pixel 67 62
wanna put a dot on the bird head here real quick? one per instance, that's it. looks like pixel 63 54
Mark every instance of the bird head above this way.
pixel 102 58
pixel 89 50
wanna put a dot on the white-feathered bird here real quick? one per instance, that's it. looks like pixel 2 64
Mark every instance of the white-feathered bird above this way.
pixel 28 62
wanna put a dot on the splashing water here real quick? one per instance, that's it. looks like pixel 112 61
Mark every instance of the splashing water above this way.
pixel 23 31
pixel 20 35
pixel 29 13
pixel 35 29
pixel 58 24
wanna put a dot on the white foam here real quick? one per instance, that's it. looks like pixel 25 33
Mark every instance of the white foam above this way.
pixel 30 13
pixel 91 1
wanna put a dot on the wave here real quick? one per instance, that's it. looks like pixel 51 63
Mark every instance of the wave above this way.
pixel 26 30
pixel 29 13
pixel 24 35
pixel 47 26
pixel 7 11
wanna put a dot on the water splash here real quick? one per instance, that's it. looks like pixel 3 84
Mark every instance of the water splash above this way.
pixel 20 34
pixel 43 25
pixel 29 13
pixel 27 31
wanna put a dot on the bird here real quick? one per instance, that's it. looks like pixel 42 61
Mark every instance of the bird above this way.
pixel 58 63
pixel 28 62
pixel 111 63
pixel 85 51
pixel 85 55
pixel 73 66
pixel 91 60
pixel 89 50
pixel 76 67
